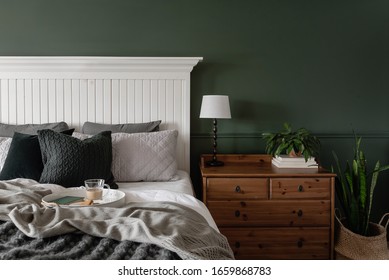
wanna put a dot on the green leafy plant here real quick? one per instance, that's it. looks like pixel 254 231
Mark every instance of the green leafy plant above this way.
pixel 356 190
pixel 301 142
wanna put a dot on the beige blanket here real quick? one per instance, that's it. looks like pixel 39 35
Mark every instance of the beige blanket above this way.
pixel 169 225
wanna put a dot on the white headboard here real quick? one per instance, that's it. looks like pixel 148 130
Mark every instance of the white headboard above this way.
pixel 106 90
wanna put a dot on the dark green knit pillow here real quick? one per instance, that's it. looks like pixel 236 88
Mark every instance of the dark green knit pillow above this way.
pixel 24 158
pixel 70 161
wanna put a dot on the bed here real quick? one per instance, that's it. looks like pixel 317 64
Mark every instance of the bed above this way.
pixel 124 119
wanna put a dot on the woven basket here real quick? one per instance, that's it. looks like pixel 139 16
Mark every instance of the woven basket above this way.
pixel 349 245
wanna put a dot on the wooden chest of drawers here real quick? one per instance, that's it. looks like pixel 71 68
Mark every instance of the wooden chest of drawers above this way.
pixel 271 213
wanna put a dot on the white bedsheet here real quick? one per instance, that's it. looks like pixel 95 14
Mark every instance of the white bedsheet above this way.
pixel 181 183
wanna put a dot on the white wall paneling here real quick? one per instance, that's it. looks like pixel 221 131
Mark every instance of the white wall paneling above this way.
pixel 99 89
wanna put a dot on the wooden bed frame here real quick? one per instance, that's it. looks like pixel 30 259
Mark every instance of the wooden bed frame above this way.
pixel 106 90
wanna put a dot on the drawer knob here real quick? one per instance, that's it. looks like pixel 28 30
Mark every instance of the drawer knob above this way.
pixel 237 244
pixel 300 243
pixel 300 213
pixel 300 188
pixel 237 189
pixel 237 213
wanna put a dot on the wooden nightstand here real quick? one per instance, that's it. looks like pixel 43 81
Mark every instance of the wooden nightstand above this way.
pixel 268 212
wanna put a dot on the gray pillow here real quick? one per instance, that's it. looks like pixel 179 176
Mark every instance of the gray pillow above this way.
pixel 148 156
pixel 70 161
pixel 7 130
pixel 94 128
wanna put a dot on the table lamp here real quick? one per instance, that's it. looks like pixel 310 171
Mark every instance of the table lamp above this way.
pixel 215 107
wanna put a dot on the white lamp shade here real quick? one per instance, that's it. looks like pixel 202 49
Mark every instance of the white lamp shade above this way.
pixel 215 107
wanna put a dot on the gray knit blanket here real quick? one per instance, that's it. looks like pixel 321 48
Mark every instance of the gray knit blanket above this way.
pixel 15 245
pixel 150 230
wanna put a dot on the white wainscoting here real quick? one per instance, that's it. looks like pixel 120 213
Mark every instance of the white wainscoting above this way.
pixel 106 90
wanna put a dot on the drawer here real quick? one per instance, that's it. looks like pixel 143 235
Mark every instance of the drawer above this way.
pixel 237 188
pixel 300 188
pixel 271 213
pixel 279 243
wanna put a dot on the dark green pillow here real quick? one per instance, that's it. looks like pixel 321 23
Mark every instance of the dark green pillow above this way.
pixel 70 161
pixel 24 159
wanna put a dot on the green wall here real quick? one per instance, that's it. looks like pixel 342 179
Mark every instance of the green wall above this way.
pixel 319 64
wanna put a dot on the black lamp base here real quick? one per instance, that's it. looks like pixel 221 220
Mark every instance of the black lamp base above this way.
pixel 215 163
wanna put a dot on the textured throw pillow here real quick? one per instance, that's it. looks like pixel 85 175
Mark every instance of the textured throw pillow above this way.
pixel 71 161
pixel 7 130
pixel 144 156
pixel 81 136
pixel 93 128
pixel 24 158
pixel 5 143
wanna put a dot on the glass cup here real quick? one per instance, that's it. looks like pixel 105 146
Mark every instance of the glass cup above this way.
pixel 94 188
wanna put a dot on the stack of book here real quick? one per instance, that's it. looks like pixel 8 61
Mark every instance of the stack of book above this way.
pixel 285 161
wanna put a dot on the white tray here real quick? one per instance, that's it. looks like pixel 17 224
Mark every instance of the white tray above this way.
pixel 111 198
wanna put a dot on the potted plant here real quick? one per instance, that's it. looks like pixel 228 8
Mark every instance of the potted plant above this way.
pixel 358 237
pixel 294 143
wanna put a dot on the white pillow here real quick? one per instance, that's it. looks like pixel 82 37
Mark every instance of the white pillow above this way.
pixel 149 156
pixel 5 143
pixel 81 136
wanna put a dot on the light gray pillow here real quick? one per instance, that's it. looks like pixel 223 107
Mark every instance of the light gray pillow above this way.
pixel 5 143
pixel 94 128
pixel 7 130
pixel 149 156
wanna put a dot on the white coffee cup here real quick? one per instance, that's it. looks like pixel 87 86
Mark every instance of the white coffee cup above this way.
pixel 94 188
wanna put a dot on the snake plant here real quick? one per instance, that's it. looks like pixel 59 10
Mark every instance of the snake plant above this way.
pixel 356 189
